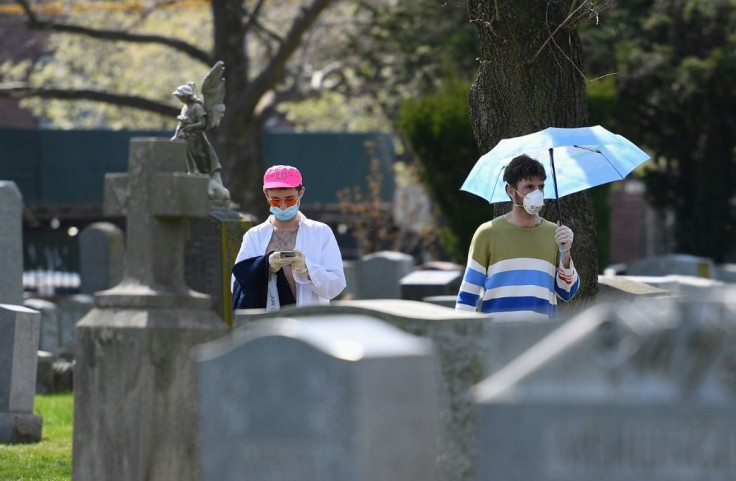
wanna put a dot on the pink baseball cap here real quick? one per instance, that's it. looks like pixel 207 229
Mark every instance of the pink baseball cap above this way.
pixel 282 177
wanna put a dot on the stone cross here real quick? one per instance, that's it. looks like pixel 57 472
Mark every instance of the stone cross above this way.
pixel 156 196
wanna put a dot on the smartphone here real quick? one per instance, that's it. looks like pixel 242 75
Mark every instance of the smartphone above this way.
pixel 288 254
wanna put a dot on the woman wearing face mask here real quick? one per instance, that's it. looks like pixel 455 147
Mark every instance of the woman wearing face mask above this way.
pixel 288 259
pixel 519 263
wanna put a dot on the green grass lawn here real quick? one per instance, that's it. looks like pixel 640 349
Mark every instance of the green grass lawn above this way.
pixel 51 458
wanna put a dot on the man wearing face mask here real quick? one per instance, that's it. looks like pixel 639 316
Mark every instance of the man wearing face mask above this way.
pixel 519 263
pixel 288 259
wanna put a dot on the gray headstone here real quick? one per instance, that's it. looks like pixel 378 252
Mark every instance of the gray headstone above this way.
pixel 19 330
pixel 343 397
pixel 380 274
pixel 678 285
pixel 210 254
pixel 71 310
pixel 460 339
pixel 612 288
pixel 11 243
pixel 426 283
pixel 352 280
pixel 726 273
pixel 101 257
pixel 135 406
pixel 625 391
pixel 675 264
pixel 50 338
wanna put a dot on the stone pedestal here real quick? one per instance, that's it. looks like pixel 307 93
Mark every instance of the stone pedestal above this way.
pixel 135 400
pixel 210 255
pixel 135 407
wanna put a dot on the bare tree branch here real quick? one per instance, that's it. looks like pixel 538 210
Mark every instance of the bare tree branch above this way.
pixel 274 72
pixel 253 17
pixel 36 23
pixel 18 91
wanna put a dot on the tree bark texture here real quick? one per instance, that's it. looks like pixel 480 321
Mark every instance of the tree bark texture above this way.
pixel 529 78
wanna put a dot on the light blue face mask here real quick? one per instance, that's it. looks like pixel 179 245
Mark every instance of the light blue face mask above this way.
pixel 286 214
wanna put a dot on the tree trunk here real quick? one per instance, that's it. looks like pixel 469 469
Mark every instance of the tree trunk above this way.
pixel 526 82
pixel 239 145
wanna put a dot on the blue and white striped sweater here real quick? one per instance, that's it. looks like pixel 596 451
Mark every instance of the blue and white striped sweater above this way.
pixel 525 286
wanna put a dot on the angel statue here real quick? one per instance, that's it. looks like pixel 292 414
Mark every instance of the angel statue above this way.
pixel 197 116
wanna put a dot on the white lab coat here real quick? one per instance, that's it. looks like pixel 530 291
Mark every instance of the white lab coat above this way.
pixel 324 261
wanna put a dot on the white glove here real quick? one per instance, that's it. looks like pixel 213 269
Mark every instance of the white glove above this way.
pixel 276 262
pixel 299 264
pixel 563 237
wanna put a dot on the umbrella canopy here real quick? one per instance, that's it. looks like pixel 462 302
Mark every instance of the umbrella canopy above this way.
pixel 580 158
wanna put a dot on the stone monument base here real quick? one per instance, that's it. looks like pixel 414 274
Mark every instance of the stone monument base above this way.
pixel 20 428
pixel 135 395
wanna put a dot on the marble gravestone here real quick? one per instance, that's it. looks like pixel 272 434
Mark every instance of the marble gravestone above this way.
pixel 335 398
pixel 134 393
pixel 627 392
pixel 11 243
pixel 101 257
pixel 19 331
pixel 380 274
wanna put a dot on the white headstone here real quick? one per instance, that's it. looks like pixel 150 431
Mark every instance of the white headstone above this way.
pixel 459 338
pixel 11 243
pixel 342 397
pixel 624 392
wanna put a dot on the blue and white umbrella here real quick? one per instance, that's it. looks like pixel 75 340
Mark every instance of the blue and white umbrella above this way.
pixel 575 159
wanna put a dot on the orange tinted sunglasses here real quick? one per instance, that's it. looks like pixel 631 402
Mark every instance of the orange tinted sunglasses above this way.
pixel 289 201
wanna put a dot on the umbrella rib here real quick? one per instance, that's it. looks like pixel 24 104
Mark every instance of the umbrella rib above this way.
pixel 496 182
pixel 602 155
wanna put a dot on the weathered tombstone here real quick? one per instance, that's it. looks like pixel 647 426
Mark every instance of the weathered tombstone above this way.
pixel 672 264
pixel 19 330
pixel 726 273
pixel 615 288
pixel 459 340
pixel 71 310
pixel 352 280
pixel 11 243
pixel 50 337
pixel 210 254
pixel 135 405
pixel 426 283
pixel 625 391
pixel 101 257
pixel 678 285
pixel 381 273
pixel 342 397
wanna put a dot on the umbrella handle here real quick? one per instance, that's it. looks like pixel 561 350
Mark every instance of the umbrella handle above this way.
pixel 554 181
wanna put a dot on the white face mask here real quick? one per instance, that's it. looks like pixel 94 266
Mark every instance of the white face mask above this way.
pixel 533 201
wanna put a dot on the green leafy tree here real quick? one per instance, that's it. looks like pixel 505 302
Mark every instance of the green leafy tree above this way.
pixel 530 77
pixel 438 129
pixel 266 48
pixel 676 94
